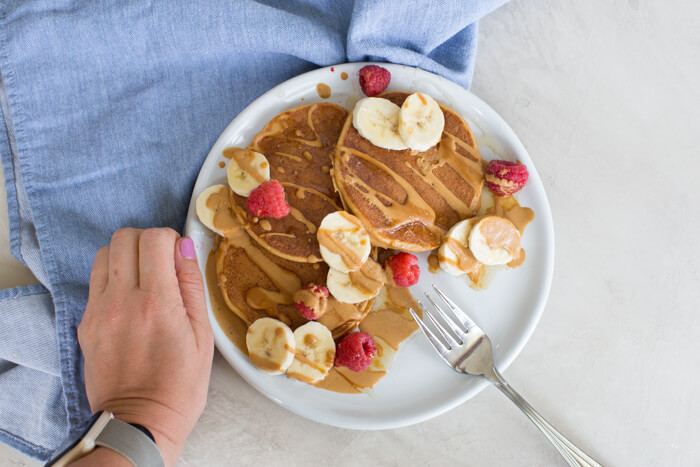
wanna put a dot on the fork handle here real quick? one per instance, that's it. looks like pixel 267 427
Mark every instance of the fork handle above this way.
pixel 572 454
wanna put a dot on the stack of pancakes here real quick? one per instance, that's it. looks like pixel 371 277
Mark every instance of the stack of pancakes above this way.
pixel 406 200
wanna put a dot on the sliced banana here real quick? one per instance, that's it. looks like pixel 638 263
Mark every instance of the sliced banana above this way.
pixel 377 120
pixel 457 238
pixel 246 170
pixel 494 240
pixel 343 241
pixel 421 122
pixel 271 345
pixel 383 357
pixel 356 286
pixel 315 353
pixel 206 208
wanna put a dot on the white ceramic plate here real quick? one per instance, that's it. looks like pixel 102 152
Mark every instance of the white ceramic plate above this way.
pixel 419 385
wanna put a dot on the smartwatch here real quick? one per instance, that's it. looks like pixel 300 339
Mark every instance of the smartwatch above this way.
pixel 133 442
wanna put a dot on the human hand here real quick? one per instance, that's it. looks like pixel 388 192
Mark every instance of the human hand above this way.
pixel 146 337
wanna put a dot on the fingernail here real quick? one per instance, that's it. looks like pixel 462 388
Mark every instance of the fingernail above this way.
pixel 187 248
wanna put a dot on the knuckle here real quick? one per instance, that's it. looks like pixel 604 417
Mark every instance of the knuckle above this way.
pixel 159 234
pixel 123 233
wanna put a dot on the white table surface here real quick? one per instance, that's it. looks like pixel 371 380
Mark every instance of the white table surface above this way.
pixel 605 96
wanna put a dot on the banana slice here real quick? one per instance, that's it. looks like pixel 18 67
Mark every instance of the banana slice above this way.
pixel 271 345
pixel 494 240
pixel 356 286
pixel 377 120
pixel 455 256
pixel 343 241
pixel 421 122
pixel 206 207
pixel 383 357
pixel 246 170
pixel 315 353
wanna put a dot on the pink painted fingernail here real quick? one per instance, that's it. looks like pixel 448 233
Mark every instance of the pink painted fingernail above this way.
pixel 187 248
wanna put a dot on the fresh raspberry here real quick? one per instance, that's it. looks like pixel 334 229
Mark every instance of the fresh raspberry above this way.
pixel 355 351
pixel 374 79
pixel 505 178
pixel 404 268
pixel 311 301
pixel 267 200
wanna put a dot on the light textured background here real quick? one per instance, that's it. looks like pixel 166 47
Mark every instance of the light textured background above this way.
pixel 605 96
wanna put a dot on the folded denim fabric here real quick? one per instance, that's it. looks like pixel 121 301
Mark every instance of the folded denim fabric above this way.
pixel 108 111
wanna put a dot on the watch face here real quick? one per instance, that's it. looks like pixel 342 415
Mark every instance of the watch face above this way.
pixel 72 441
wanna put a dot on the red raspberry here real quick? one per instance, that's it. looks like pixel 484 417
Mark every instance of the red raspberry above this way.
pixel 505 178
pixel 355 351
pixel 374 79
pixel 267 200
pixel 311 301
pixel 404 268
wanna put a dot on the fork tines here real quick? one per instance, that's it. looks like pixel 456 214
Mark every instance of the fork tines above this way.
pixel 456 324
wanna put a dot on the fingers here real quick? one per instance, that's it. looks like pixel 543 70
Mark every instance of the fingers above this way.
pixel 156 259
pixel 99 275
pixel 124 258
pixel 192 290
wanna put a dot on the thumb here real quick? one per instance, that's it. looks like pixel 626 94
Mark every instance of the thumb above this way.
pixel 191 284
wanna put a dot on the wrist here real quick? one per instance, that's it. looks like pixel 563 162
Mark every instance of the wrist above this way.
pixel 164 424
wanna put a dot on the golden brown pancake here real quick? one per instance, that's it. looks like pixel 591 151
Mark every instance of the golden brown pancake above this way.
pixel 298 144
pixel 255 283
pixel 407 200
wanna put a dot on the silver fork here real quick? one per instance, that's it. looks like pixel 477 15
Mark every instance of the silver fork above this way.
pixel 467 349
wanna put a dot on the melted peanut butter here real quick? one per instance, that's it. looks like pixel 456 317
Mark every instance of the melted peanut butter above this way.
pixel 500 233
pixel 323 90
pixel 224 220
pixel 343 76
pixel 509 208
pixel 369 278
pixel 465 259
pixel 433 263
pixel 298 215
pixel 265 224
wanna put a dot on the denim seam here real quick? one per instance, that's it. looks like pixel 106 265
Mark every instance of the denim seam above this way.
pixel 68 358
pixel 22 445
pixel 19 292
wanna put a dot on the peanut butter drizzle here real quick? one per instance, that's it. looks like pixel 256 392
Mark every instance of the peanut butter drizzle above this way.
pixel 265 224
pixel 414 208
pixel 298 215
pixel 232 325
pixel 343 76
pixel 465 259
pixel 244 159
pixel 323 90
pixel 224 220
pixel 263 363
pixel 222 164
pixel 518 260
pixel 433 263
pixel 288 156
pixel 370 278
pixel 509 208
pixel 338 313
pixel 332 240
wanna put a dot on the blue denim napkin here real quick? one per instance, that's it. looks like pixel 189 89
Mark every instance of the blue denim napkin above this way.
pixel 109 109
